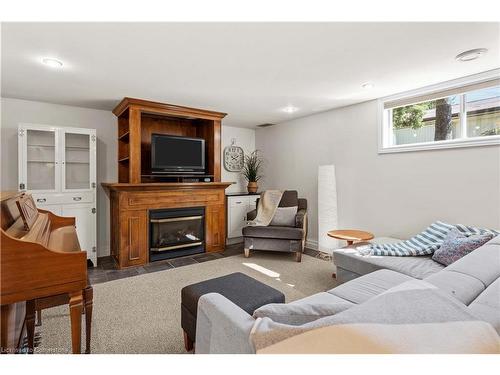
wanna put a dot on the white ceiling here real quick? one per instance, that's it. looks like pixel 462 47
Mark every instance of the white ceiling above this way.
pixel 249 70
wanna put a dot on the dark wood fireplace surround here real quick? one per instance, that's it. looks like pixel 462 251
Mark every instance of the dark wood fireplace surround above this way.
pixel 137 192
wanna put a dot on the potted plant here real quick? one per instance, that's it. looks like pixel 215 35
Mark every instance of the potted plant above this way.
pixel 252 168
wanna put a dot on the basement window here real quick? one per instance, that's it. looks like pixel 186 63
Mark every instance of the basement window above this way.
pixel 444 116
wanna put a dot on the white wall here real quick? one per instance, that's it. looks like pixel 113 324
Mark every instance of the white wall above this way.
pixel 15 111
pixel 245 138
pixel 391 194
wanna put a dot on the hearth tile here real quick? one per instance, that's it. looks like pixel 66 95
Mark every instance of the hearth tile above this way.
pixel 98 278
pixel 94 271
pixel 157 266
pixel 106 260
pixel 120 274
pixel 205 258
pixel 179 262
pixel 232 250
pixel 141 270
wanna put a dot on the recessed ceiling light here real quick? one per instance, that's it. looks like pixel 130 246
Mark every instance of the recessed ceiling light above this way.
pixel 51 62
pixel 367 85
pixel 471 54
pixel 290 109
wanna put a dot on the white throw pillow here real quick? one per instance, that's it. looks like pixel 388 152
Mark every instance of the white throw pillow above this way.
pixel 284 217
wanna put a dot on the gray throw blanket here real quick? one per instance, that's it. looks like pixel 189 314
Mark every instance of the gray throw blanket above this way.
pixel 268 203
pixel 415 301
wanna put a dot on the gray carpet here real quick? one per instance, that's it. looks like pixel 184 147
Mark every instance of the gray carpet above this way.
pixel 141 314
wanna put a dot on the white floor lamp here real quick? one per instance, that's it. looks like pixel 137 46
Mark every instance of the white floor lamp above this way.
pixel 327 208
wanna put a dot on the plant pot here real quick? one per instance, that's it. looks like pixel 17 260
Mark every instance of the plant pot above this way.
pixel 252 187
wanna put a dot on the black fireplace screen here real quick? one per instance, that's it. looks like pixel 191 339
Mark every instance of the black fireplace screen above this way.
pixel 175 230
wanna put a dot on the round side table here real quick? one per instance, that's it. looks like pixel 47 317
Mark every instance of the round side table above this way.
pixel 350 235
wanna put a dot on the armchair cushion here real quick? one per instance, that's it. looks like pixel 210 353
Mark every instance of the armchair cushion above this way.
pixel 286 233
pixel 284 217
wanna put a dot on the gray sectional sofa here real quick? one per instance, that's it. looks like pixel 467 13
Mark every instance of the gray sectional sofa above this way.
pixel 471 284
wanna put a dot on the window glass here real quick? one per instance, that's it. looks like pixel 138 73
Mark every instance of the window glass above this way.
pixel 483 112
pixel 432 120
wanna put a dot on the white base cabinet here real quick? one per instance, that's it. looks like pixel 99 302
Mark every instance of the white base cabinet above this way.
pixel 237 208
pixel 58 166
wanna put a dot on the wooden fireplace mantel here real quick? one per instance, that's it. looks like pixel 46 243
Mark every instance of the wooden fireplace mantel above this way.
pixel 165 186
pixel 134 194
pixel 130 205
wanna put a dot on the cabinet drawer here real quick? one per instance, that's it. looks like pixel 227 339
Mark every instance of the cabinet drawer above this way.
pixel 238 201
pixel 42 199
pixel 85 197
pixel 47 199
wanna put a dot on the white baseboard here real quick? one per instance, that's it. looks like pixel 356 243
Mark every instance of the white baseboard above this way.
pixel 103 251
pixel 312 244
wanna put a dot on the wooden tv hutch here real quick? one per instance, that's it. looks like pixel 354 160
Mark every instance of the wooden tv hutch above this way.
pixel 138 191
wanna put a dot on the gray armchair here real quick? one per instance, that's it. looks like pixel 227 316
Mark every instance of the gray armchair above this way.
pixel 289 239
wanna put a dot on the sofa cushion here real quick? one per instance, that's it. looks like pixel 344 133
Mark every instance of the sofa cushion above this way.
pixel 487 305
pixel 350 259
pixel 461 286
pixel 299 313
pixel 322 297
pixel 413 301
pixel 490 296
pixel 289 198
pixel 365 287
pixel 483 263
pixel 456 245
pixel 286 233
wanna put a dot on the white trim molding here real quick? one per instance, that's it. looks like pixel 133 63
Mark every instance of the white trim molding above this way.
pixel 312 244
pixel 384 126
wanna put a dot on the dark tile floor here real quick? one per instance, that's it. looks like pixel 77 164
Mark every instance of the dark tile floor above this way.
pixel 106 267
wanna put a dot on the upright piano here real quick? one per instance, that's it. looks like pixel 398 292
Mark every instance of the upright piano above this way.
pixel 41 266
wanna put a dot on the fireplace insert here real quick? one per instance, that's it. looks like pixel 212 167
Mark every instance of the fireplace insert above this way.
pixel 176 232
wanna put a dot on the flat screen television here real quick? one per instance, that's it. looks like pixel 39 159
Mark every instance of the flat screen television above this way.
pixel 177 155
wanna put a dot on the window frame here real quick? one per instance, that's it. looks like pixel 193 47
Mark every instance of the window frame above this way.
pixel 385 128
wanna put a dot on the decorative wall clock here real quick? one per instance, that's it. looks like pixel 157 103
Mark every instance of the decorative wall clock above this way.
pixel 233 157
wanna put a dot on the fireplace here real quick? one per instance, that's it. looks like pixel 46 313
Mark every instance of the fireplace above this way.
pixel 176 232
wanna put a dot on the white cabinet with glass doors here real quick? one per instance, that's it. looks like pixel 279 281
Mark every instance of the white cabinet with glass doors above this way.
pixel 58 166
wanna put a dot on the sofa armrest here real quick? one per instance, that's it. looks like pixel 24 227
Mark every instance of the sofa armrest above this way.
pixel 252 215
pixel 222 327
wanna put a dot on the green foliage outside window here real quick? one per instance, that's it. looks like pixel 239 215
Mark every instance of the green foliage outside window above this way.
pixel 409 117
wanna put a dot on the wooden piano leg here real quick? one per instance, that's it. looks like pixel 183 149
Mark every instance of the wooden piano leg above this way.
pixel 30 325
pixel 88 296
pixel 75 312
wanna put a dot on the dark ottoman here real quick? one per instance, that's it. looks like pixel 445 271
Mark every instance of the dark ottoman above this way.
pixel 249 294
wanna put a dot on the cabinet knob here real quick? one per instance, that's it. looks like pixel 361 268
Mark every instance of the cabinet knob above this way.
pixel 41 200
pixel 77 198
pixel 239 202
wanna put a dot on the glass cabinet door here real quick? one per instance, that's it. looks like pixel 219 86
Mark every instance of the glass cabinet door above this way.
pixel 78 160
pixel 41 158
